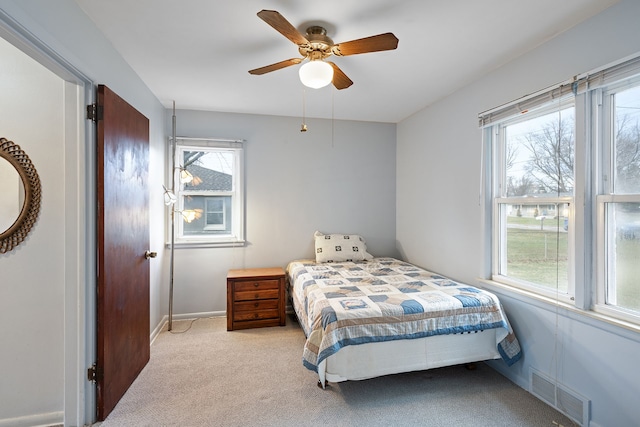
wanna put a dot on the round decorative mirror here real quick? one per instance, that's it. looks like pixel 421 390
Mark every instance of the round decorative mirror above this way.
pixel 20 200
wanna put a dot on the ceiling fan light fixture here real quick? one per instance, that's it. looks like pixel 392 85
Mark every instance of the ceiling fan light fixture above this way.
pixel 316 74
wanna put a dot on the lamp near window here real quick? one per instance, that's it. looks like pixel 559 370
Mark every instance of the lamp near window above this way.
pixel 185 176
pixel 316 74
pixel 188 215
pixel 170 199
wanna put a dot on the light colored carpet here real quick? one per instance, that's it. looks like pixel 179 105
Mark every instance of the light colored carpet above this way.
pixel 210 377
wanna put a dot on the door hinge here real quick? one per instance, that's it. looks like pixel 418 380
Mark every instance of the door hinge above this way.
pixel 93 373
pixel 94 112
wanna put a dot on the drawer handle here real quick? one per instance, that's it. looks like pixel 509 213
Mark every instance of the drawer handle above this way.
pixel 256 284
pixel 257 296
pixel 255 315
pixel 256 304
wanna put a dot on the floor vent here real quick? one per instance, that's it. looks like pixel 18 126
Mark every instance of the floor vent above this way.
pixel 565 400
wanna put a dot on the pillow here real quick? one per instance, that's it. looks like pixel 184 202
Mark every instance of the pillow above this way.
pixel 340 248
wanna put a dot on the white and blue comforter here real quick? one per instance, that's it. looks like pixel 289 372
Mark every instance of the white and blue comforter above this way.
pixel 386 299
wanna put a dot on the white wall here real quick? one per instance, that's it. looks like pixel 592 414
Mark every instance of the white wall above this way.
pixel 438 212
pixel 32 276
pixel 38 383
pixel 295 183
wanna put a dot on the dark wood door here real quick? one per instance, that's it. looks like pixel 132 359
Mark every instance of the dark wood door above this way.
pixel 123 237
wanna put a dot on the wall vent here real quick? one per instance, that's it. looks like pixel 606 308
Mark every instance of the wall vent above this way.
pixel 559 396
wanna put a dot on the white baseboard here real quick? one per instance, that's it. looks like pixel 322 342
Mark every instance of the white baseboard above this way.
pixel 188 316
pixel 38 420
pixel 158 328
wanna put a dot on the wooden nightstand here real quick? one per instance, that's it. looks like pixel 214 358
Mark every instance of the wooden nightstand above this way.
pixel 255 298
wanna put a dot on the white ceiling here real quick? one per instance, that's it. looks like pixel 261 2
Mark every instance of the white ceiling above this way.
pixel 198 52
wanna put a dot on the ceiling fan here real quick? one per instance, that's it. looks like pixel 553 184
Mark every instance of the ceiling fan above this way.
pixel 316 46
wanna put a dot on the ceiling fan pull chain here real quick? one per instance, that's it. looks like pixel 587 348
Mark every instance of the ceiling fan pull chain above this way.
pixel 303 128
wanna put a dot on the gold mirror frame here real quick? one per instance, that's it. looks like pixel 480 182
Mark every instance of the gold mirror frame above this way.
pixel 19 230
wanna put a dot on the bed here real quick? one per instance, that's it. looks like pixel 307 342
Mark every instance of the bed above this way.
pixel 365 317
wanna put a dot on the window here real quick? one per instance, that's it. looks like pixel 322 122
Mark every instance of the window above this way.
pixel 534 183
pixel 210 205
pixel 619 197
pixel 562 192
pixel 216 213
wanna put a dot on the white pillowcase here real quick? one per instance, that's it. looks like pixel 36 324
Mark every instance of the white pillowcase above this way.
pixel 340 248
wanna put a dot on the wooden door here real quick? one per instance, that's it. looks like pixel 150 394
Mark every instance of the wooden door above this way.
pixel 123 237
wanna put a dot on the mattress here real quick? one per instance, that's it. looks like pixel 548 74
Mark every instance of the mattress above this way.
pixel 385 300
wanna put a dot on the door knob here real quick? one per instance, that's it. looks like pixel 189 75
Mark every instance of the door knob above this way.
pixel 149 254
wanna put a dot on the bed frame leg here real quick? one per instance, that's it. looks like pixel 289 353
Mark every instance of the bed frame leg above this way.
pixel 322 374
pixel 471 366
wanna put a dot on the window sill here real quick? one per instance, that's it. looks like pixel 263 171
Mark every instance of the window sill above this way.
pixel 195 245
pixel 598 320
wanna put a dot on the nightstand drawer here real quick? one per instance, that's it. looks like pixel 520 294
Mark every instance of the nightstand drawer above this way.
pixel 255 285
pixel 269 304
pixel 256 315
pixel 253 295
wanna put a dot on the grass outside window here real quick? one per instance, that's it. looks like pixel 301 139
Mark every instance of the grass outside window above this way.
pixel 538 253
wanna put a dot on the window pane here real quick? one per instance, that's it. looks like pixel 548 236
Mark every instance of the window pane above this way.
pixel 212 170
pixel 535 244
pixel 623 273
pixel 539 155
pixel 215 213
pixel 627 141
pixel 211 223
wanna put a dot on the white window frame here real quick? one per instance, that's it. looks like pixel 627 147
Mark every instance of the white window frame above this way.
pixel 237 235
pixel 496 132
pixel 603 117
pixel 604 266
pixel 593 166
pixel 498 255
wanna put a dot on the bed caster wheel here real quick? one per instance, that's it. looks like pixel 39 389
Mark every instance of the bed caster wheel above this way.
pixel 322 386
pixel 471 366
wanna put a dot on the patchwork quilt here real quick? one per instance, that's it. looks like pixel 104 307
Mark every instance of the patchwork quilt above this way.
pixel 384 299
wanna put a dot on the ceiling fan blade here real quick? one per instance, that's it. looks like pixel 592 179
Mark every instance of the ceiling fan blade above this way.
pixel 386 41
pixel 276 66
pixel 281 25
pixel 340 79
